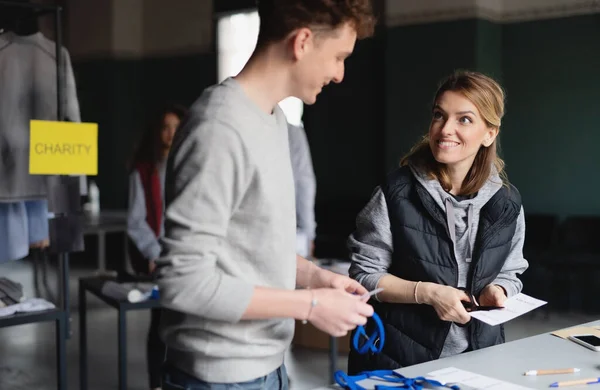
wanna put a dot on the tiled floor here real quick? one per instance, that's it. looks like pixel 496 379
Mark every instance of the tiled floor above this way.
pixel 27 354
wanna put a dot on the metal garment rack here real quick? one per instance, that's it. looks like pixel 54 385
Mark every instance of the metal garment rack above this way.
pixel 61 314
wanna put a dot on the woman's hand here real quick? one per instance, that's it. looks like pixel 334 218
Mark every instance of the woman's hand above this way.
pixel 492 295
pixel 447 302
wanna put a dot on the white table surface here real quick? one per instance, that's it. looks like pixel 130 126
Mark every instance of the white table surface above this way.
pixel 509 361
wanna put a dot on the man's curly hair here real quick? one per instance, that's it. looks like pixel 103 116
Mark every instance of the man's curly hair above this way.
pixel 278 18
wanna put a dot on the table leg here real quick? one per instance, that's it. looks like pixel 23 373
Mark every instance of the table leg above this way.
pixel 61 353
pixel 83 371
pixel 63 269
pixel 333 356
pixel 122 349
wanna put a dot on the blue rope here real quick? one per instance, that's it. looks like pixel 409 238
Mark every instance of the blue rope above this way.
pixel 390 376
pixel 372 343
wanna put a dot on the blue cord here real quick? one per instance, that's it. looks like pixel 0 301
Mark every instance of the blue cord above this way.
pixel 390 376
pixel 372 343
pixel 375 344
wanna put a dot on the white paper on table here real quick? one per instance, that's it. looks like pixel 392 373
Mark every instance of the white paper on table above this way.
pixel 452 375
pixel 513 308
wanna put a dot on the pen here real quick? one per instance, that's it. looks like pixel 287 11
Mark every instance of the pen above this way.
pixel 371 293
pixel 552 372
pixel 588 381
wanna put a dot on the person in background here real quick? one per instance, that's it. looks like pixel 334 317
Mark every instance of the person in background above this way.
pixel 145 214
pixel 446 223
pixel 305 185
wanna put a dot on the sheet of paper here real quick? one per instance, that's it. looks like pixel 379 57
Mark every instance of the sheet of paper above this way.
pixel 471 381
pixel 565 333
pixel 513 308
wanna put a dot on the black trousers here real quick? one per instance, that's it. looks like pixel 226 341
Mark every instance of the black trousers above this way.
pixel 155 350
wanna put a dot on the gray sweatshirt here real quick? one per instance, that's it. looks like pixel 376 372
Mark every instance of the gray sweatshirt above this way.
pixel 304 181
pixel 229 226
pixel 371 244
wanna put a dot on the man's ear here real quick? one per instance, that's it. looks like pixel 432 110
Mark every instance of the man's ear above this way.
pixel 490 136
pixel 302 41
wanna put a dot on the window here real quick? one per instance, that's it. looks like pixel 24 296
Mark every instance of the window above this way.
pixel 236 39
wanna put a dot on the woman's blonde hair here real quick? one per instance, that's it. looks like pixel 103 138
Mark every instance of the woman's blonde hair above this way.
pixel 487 95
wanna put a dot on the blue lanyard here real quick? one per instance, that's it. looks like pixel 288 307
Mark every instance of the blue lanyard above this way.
pixel 350 382
pixel 374 342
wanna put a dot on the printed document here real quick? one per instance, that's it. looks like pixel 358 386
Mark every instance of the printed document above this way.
pixel 513 308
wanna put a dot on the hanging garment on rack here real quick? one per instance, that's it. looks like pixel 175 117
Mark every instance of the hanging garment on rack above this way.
pixel 29 91
pixel 22 224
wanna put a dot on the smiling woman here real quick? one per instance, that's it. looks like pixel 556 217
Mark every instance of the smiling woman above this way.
pixel 461 147
pixel 445 229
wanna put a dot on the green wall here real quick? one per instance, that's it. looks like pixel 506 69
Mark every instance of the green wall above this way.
pixel 551 131
pixel 550 70
pixel 417 58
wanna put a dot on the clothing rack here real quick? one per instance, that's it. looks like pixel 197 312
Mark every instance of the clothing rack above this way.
pixel 61 314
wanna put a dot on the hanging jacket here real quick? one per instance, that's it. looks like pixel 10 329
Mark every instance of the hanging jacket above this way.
pixel 28 80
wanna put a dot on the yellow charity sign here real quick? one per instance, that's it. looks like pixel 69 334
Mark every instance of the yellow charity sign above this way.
pixel 63 148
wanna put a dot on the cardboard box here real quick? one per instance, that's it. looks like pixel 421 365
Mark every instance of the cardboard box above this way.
pixel 307 336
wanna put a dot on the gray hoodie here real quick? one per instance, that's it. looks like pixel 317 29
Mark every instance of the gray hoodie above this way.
pixel 373 245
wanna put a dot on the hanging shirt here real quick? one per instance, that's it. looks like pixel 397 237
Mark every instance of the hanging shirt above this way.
pixel 21 224
pixel 28 91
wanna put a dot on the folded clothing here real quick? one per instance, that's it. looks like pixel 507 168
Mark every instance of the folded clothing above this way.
pixel 28 305
pixel 10 292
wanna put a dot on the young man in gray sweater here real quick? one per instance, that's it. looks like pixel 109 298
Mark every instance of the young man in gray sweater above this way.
pixel 228 271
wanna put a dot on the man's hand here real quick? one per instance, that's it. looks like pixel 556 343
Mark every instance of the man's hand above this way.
pixel 338 312
pixel 323 278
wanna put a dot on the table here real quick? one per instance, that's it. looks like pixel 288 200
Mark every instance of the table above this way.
pixel 509 361
pixel 94 285
pixel 109 221
pixel 58 315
